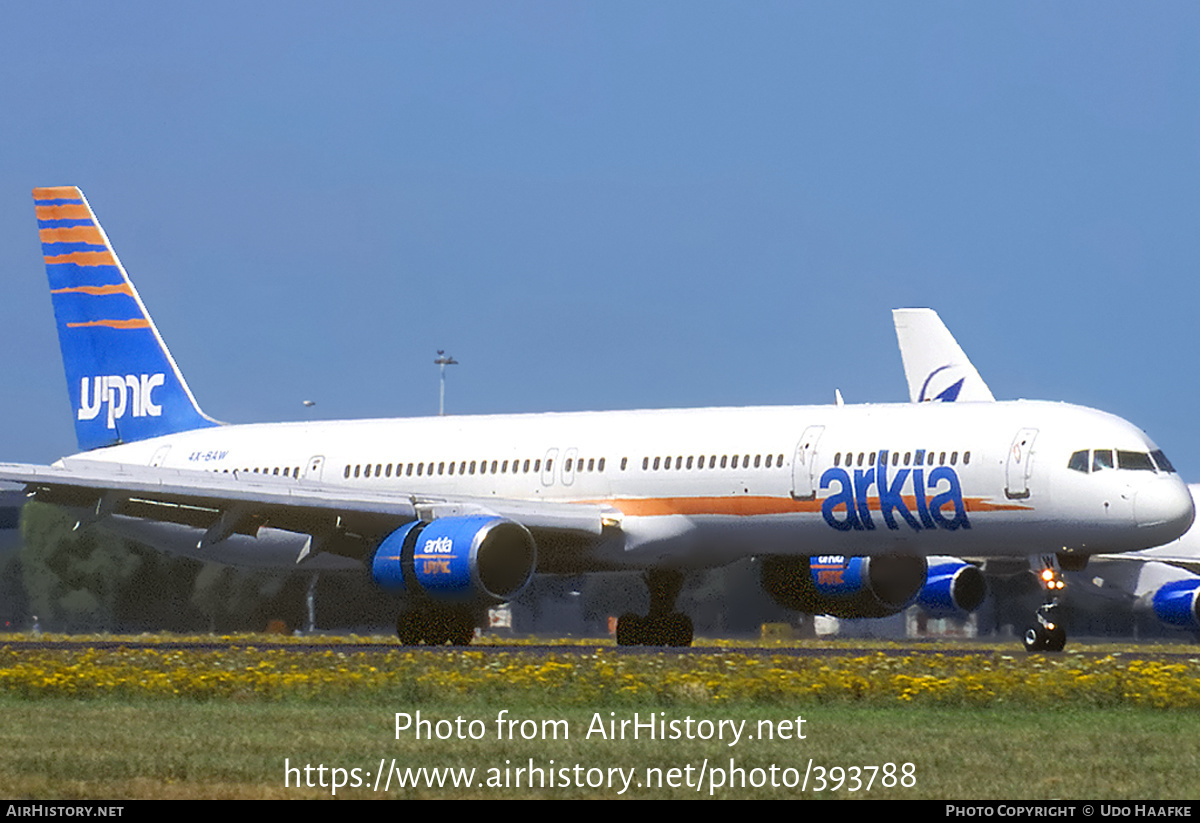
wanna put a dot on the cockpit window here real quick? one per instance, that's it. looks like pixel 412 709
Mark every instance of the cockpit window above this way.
pixel 1160 460
pixel 1139 461
pixel 1129 460
pixel 1102 459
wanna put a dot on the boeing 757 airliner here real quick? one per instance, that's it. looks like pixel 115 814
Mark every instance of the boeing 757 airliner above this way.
pixel 842 503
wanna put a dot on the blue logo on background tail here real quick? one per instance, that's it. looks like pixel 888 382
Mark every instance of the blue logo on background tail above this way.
pixel 122 381
pixel 946 395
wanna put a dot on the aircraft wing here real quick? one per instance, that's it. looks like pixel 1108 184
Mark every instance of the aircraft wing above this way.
pixel 1179 558
pixel 223 505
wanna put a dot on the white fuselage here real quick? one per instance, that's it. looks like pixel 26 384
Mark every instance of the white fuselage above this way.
pixel 700 487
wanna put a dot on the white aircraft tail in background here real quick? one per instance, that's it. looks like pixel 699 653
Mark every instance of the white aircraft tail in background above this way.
pixel 934 365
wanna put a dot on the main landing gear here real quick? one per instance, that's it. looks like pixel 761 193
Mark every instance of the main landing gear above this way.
pixel 663 626
pixel 436 627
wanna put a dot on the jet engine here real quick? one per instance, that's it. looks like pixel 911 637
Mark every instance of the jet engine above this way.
pixel 844 586
pixel 952 588
pixel 478 559
pixel 1178 604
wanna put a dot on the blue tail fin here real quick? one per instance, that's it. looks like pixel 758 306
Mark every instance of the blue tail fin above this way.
pixel 123 383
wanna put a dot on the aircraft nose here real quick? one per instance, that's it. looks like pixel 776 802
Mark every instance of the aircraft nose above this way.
pixel 1164 507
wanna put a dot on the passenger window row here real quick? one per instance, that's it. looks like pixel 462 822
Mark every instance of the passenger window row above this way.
pixel 461 467
pixel 286 471
pixel 922 458
pixel 712 461
pixel 571 464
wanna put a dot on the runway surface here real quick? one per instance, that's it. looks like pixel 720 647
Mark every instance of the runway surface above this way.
pixel 811 649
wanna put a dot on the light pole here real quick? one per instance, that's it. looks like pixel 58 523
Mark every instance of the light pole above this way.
pixel 443 360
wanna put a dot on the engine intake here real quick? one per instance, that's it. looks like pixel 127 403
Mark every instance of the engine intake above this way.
pixel 1178 604
pixel 952 589
pixel 457 559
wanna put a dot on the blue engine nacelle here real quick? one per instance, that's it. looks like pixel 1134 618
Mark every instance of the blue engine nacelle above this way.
pixel 1178 604
pixel 844 586
pixel 457 559
pixel 952 589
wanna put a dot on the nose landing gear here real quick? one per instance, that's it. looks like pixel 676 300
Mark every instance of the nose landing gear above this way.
pixel 1048 635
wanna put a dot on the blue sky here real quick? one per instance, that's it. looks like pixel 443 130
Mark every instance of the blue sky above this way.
pixel 614 205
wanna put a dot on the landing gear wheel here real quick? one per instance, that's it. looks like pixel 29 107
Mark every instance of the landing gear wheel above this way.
pixel 1056 639
pixel 631 630
pixel 673 629
pixel 410 628
pixel 656 631
pixel 436 628
pixel 677 630
pixel 462 630
pixel 1035 640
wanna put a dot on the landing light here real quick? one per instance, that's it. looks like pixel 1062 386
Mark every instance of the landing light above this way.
pixel 1051 580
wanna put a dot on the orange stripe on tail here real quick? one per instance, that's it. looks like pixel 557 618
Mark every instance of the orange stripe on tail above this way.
pixel 82 258
pixel 119 288
pixel 72 234
pixel 136 323
pixel 70 211
pixel 57 193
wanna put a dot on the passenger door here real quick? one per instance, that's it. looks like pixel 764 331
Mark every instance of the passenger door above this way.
pixel 312 471
pixel 804 464
pixel 1020 465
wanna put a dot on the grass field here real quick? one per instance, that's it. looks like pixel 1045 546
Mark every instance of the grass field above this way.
pixel 1059 727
